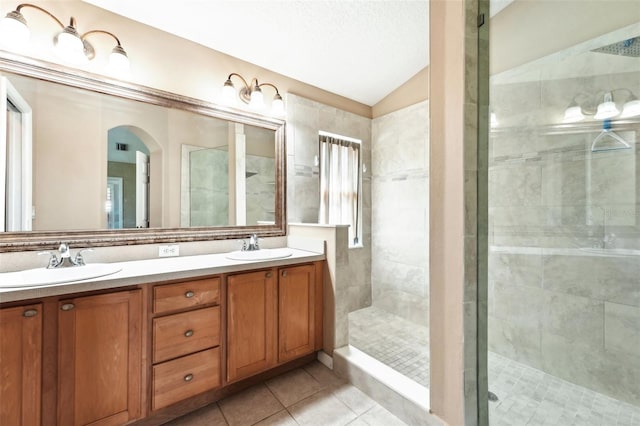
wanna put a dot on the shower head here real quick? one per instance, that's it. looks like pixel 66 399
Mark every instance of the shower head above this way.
pixel 607 140
pixel 629 47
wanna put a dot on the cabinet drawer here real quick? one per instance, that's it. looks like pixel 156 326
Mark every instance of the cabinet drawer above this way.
pixel 188 294
pixel 185 377
pixel 185 333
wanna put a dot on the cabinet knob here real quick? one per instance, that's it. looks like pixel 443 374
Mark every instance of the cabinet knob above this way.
pixel 268 275
pixel 284 273
pixel 189 294
pixel 67 306
pixel 188 333
pixel 188 377
pixel 30 313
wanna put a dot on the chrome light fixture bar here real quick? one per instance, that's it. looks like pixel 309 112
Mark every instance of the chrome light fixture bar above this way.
pixel 604 110
pixel 68 44
pixel 251 94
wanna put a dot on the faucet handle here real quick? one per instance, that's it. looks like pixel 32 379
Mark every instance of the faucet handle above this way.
pixel 79 259
pixel 53 260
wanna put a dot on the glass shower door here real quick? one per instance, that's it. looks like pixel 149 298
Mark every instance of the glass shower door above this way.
pixel 564 229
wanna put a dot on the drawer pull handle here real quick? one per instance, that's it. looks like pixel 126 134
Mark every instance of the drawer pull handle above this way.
pixel 189 294
pixel 188 377
pixel 268 275
pixel 30 313
pixel 284 273
pixel 188 333
pixel 67 306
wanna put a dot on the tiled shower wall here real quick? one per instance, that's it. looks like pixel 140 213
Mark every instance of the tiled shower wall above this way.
pixel 260 189
pixel 305 118
pixel 553 305
pixel 400 221
pixel 209 188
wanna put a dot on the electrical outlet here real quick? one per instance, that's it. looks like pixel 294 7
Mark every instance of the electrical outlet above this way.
pixel 169 251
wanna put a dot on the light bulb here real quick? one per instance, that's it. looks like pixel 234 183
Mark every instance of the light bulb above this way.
pixel 573 114
pixel 69 47
pixel 118 61
pixel 14 32
pixel 631 109
pixel 607 109
pixel 277 106
pixel 229 96
pixel 257 99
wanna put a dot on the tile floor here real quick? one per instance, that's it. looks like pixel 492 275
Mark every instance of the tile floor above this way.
pixel 526 396
pixel 394 341
pixel 311 395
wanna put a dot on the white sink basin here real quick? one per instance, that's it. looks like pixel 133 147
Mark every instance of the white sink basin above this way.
pixel 44 276
pixel 611 251
pixel 262 254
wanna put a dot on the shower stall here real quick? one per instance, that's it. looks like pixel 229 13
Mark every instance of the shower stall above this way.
pixel 564 236
pixel 394 329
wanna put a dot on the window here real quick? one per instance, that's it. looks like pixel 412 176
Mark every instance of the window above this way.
pixel 340 183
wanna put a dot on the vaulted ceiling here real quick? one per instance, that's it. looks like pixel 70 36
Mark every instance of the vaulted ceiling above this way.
pixel 360 49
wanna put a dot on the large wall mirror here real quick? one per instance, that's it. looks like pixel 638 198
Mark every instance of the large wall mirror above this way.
pixel 99 162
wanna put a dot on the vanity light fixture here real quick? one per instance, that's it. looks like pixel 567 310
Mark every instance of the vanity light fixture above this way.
pixel 251 94
pixel 68 44
pixel 604 110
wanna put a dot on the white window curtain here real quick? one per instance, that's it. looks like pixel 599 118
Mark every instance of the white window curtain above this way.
pixel 339 184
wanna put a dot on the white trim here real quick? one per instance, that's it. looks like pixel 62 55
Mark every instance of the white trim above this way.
pixel 325 359
pixel 397 382
pixel 9 93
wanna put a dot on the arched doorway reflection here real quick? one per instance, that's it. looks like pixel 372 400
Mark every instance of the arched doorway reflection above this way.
pixel 128 183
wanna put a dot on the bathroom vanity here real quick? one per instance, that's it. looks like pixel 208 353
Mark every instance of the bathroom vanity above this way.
pixel 156 340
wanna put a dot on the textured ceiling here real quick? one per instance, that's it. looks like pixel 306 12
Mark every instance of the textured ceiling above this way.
pixel 360 49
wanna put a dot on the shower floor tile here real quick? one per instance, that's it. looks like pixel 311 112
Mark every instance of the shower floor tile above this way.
pixel 527 396
pixel 394 341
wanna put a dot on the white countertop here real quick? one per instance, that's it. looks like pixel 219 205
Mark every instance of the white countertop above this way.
pixel 155 270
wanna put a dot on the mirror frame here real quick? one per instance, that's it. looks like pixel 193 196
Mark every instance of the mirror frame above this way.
pixel 47 240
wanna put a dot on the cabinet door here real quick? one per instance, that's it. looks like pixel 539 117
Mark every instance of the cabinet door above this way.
pixel 251 323
pixel 296 316
pixel 99 367
pixel 20 365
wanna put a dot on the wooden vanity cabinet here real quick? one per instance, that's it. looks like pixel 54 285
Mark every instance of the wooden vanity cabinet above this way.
pixel 148 353
pixel 99 359
pixel 296 312
pixel 20 365
pixel 186 340
pixel 252 306
pixel 272 318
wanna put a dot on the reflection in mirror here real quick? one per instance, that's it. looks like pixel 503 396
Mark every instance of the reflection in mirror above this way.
pixel 230 184
pixel 205 186
pixel 228 179
pixel 81 196
pixel 104 162
pixel 15 159
pixel 127 202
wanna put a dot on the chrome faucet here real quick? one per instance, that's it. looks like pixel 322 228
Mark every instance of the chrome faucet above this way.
pixel 65 259
pixel 253 244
